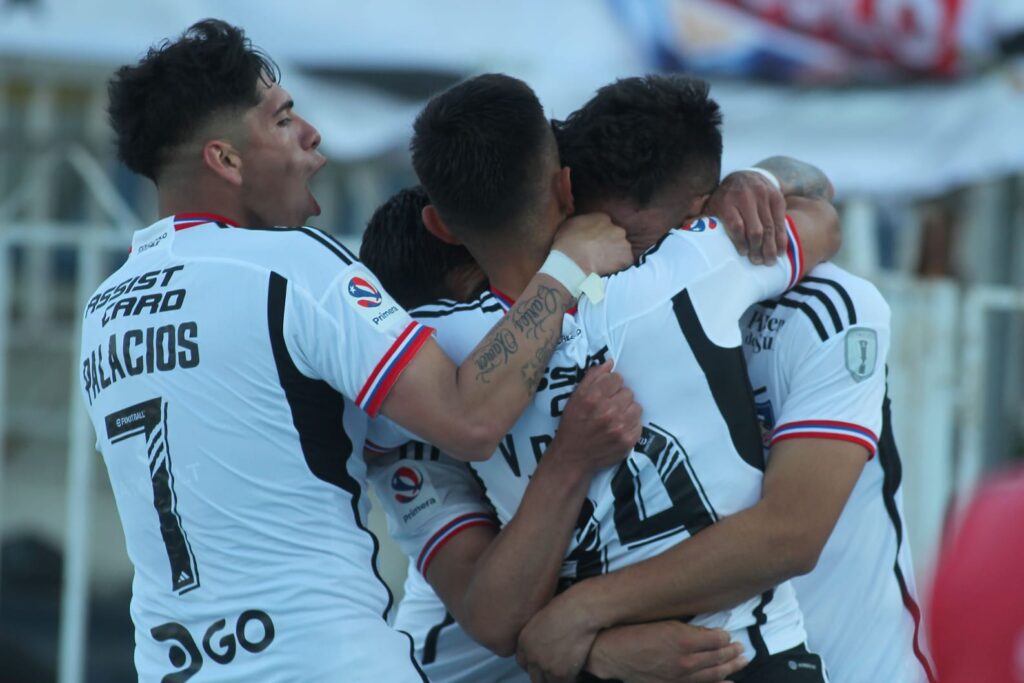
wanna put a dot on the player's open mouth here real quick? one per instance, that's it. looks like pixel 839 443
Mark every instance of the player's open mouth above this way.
pixel 312 199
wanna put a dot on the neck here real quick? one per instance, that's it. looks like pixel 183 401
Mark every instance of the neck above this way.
pixel 175 200
pixel 510 272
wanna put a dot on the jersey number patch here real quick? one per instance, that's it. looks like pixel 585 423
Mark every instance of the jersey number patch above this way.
pixel 148 422
pixel 652 500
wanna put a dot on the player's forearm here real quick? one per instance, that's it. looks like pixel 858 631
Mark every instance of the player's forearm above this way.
pixel 467 410
pixel 518 573
pixel 501 374
pixel 737 558
pixel 799 178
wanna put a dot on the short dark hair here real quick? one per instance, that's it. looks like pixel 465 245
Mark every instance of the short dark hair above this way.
pixel 409 261
pixel 177 87
pixel 638 134
pixel 480 149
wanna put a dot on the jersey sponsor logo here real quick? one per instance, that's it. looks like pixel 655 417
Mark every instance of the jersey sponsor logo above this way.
pixel 406 484
pixel 413 499
pixel 154 279
pixel 562 379
pixel 861 352
pixel 153 242
pixel 253 632
pixel 700 224
pixel 761 330
pixel 364 293
pixel 373 304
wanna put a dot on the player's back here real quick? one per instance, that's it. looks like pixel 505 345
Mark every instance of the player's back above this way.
pixel 671 326
pixel 816 359
pixel 230 457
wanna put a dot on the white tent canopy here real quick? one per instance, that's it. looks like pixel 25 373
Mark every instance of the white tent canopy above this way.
pixel 915 139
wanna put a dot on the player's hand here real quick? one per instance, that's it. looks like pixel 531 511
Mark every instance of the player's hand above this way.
pixel 754 213
pixel 600 425
pixel 555 643
pixel 595 243
pixel 665 652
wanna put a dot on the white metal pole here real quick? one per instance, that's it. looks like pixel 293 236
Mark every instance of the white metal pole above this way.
pixel 980 300
pixel 75 594
pixel 5 326
pixel 860 252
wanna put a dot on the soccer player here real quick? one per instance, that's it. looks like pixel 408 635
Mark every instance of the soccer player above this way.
pixel 229 367
pixel 425 491
pixel 831 508
pixel 675 312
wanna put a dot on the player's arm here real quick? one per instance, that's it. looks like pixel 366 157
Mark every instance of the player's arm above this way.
pixel 492 585
pixel 664 652
pixel 753 208
pixel 467 409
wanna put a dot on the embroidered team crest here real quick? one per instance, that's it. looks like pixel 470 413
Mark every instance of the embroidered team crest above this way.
pixel 701 224
pixel 365 294
pixel 861 352
pixel 406 484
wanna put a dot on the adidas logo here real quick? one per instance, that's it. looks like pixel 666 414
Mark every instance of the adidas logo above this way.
pixel 794 665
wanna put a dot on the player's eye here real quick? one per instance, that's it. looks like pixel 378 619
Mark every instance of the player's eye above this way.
pixel 284 122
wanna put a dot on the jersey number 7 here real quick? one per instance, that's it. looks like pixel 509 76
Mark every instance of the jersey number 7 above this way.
pixel 148 422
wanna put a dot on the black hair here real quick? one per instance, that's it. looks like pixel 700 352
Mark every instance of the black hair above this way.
pixel 638 134
pixel 177 87
pixel 480 150
pixel 409 261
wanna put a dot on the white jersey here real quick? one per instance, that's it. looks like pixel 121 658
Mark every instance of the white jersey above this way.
pixel 228 374
pixel 670 325
pixel 816 359
pixel 429 499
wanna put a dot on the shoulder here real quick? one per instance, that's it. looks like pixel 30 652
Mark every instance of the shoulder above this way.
pixel 450 311
pixel 304 255
pixel 828 302
pixel 460 325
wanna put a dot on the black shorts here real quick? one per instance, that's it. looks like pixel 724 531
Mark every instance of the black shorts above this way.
pixel 796 665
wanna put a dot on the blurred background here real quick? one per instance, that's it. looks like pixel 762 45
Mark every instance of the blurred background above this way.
pixel 914 108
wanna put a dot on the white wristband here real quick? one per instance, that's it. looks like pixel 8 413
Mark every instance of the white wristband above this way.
pixel 562 268
pixel 769 176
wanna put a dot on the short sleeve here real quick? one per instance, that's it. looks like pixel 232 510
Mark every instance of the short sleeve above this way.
pixel 429 499
pixel 700 259
pixel 384 435
pixel 837 386
pixel 354 336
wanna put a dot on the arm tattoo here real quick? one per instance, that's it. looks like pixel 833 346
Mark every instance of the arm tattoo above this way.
pixel 528 319
pixel 798 178
pixel 495 353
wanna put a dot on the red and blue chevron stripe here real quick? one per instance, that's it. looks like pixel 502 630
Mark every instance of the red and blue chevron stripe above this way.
pixel 448 532
pixel 795 254
pixel 383 377
pixel 828 429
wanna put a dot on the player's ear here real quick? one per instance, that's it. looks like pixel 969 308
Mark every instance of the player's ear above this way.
pixel 563 191
pixel 697 204
pixel 462 282
pixel 435 225
pixel 221 157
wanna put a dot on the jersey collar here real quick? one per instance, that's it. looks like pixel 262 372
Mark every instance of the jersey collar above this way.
pixel 183 221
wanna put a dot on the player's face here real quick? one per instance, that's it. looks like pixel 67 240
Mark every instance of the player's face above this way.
pixel 646 225
pixel 279 159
